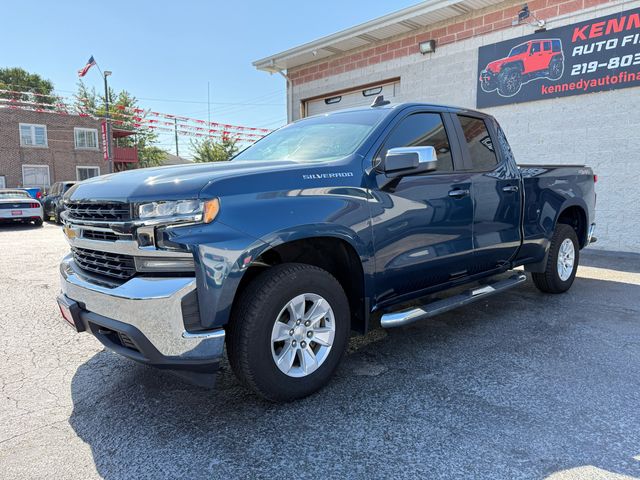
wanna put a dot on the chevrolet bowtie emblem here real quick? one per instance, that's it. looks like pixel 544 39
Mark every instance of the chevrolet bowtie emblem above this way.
pixel 70 232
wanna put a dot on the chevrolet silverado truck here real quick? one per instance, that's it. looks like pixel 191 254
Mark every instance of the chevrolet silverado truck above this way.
pixel 333 224
pixel 525 62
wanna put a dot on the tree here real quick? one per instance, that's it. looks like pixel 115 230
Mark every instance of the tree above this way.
pixel 209 150
pixel 18 79
pixel 121 106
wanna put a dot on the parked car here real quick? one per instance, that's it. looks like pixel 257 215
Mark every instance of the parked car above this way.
pixel 525 62
pixel 34 192
pixel 17 206
pixel 328 225
pixel 52 202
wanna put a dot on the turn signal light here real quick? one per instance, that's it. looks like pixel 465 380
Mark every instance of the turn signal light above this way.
pixel 211 209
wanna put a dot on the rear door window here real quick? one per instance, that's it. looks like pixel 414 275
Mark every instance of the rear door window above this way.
pixel 479 144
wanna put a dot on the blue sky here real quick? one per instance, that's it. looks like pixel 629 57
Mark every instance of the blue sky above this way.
pixel 165 52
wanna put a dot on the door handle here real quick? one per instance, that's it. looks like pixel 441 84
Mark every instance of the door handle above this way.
pixel 510 188
pixel 458 193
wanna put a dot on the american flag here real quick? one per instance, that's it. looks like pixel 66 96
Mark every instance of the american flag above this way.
pixel 83 71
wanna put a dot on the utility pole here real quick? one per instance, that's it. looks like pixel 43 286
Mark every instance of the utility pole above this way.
pixel 175 129
pixel 108 119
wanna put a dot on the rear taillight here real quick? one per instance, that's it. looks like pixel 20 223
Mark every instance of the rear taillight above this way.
pixel 35 205
pixel 595 179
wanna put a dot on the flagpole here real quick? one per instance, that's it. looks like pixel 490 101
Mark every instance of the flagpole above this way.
pixel 107 113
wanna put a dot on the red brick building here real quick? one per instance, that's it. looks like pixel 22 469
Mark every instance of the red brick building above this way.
pixel 38 149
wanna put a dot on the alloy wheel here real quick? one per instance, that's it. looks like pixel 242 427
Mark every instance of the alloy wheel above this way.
pixel 566 259
pixel 302 335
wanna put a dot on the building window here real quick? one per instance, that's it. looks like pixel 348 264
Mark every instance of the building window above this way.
pixel 3 182
pixel 86 138
pixel 32 135
pixel 82 173
pixel 35 176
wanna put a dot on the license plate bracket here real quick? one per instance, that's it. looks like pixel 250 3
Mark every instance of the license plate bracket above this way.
pixel 16 212
pixel 70 311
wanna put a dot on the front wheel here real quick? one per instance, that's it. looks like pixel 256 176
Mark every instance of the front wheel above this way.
pixel 509 81
pixel 289 331
pixel 562 262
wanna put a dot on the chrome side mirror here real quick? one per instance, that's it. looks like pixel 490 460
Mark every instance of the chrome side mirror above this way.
pixel 410 160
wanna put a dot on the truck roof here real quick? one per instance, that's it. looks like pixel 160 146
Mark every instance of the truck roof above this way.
pixel 400 106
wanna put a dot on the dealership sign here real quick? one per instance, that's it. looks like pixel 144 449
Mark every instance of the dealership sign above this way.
pixel 601 54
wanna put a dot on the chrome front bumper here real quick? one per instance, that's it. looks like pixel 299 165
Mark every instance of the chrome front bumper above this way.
pixel 153 305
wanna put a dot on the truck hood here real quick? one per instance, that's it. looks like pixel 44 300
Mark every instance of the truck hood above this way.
pixel 170 182
pixel 496 65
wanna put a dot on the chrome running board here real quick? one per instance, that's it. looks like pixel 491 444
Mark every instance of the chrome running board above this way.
pixel 405 317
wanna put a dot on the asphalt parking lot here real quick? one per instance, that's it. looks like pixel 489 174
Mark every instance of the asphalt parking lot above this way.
pixel 523 385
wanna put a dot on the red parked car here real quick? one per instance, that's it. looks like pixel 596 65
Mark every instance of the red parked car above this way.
pixel 525 62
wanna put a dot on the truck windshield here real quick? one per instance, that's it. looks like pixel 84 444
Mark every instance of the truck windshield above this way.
pixel 518 50
pixel 314 139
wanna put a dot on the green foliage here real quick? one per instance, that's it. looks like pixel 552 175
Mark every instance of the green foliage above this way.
pixel 18 79
pixel 120 108
pixel 209 150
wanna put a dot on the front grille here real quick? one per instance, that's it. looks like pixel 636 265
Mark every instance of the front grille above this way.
pixel 101 212
pixel 100 235
pixel 110 264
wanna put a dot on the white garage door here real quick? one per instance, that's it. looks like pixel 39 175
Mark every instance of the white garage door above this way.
pixel 353 98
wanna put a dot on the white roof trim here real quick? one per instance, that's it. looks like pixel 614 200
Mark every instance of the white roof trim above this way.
pixel 303 54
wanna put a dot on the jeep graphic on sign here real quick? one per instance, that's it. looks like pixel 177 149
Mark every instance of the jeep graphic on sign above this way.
pixel 525 62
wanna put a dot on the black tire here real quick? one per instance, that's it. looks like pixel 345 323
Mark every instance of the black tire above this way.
pixel 38 222
pixel 252 321
pixel 509 81
pixel 56 216
pixel 556 68
pixel 549 281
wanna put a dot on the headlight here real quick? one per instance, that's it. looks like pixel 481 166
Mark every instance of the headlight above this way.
pixel 180 209
pixel 170 209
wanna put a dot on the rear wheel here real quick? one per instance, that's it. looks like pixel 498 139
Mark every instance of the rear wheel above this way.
pixel 562 262
pixel 556 68
pixel 289 331
pixel 37 222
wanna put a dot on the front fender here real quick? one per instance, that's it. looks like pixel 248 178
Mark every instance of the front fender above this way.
pixel 278 217
pixel 250 224
pixel 222 255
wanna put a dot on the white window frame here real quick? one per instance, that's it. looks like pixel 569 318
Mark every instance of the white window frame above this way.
pixel 82 129
pixel 79 167
pixel 33 135
pixel 24 184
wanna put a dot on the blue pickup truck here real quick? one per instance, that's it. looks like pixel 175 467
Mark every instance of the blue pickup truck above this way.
pixel 333 224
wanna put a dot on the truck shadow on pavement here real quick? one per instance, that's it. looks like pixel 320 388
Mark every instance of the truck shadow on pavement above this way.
pixel 522 386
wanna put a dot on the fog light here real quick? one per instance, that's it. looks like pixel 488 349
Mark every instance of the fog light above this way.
pixel 153 264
